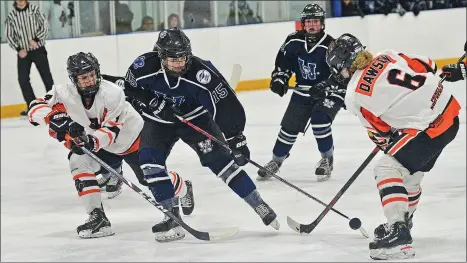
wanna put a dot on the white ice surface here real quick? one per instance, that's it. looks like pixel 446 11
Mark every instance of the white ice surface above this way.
pixel 40 209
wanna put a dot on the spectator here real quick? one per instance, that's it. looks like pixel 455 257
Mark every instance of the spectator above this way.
pixel 123 18
pixel 173 21
pixel 349 8
pixel 414 6
pixel 59 17
pixel 245 14
pixel 370 7
pixel 147 24
pixel 26 30
pixel 197 14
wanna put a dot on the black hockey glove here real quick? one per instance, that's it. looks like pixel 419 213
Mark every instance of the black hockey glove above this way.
pixel 383 140
pixel 280 83
pixel 454 72
pixel 239 147
pixel 87 141
pixel 155 107
pixel 327 87
pixel 59 123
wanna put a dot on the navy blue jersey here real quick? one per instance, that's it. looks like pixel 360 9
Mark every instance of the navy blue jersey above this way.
pixel 201 90
pixel 307 63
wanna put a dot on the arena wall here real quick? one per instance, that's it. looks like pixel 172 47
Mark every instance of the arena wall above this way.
pixel 254 47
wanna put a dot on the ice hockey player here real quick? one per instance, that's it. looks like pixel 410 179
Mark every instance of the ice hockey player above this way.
pixel 303 54
pixel 94 113
pixel 177 83
pixel 409 116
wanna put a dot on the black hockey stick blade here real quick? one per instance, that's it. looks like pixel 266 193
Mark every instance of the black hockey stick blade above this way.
pixel 201 235
pixel 307 228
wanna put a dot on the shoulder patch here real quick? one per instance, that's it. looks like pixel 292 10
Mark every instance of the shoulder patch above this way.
pixel 203 76
pixel 139 62
pixel 131 78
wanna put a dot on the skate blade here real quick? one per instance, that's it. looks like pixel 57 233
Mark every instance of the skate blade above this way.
pixel 405 251
pixel 103 232
pixel 323 177
pixel 275 224
pixel 174 234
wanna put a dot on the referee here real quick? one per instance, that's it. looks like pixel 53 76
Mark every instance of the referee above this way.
pixel 26 29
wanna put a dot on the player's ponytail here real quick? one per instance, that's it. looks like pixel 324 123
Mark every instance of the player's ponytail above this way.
pixel 362 60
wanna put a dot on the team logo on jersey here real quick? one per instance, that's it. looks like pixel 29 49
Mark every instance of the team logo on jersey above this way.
pixel 131 78
pixel 308 69
pixel 203 76
pixel 205 146
pixel 328 103
pixel 120 83
pixel 139 62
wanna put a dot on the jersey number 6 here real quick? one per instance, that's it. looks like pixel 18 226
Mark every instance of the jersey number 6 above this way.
pixel 396 77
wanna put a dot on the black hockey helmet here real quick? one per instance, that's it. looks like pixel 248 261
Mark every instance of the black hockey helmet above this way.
pixel 173 43
pixel 341 54
pixel 313 11
pixel 82 63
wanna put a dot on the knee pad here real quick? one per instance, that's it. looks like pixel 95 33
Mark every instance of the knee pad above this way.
pixel 226 170
pixel 321 124
pixel 82 164
pixel 86 183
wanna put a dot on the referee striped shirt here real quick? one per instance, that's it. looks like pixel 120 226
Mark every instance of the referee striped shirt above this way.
pixel 24 25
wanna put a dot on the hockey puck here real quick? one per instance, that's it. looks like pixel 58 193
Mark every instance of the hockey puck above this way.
pixel 355 223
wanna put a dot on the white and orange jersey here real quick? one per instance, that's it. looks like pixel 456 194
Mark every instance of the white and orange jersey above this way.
pixel 118 123
pixel 401 92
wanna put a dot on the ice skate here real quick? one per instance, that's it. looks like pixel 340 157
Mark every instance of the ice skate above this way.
pixel 384 229
pixel 268 215
pixel 187 202
pixel 397 244
pixel 324 168
pixel 168 230
pixel 97 225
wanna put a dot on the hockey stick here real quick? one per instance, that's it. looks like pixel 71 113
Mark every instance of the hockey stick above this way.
pixel 301 228
pixel 306 88
pixel 207 236
pixel 226 146
pixel 235 77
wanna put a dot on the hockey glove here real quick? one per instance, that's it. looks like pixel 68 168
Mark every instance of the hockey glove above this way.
pixel 383 141
pixel 280 83
pixel 454 72
pixel 327 87
pixel 59 123
pixel 239 147
pixel 89 142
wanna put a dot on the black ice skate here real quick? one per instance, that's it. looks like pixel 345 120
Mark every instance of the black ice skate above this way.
pixel 267 215
pixel 324 168
pixel 187 202
pixel 111 185
pixel 397 244
pixel 272 166
pixel 384 229
pixel 168 230
pixel 97 225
